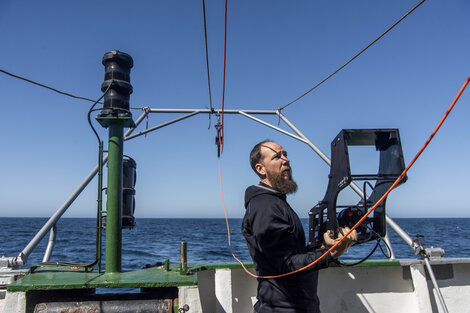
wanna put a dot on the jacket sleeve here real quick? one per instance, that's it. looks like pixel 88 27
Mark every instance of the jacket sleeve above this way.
pixel 276 240
pixel 296 261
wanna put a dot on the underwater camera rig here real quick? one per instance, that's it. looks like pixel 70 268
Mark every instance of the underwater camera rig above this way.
pixel 324 215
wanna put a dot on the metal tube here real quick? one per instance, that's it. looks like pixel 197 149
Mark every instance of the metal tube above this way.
pixel 183 256
pixel 211 111
pixel 114 198
pixel 386 239
pixel 307 141
pixel 317 151
pixel 137 122
pixel 400 232
pixel 418 248
pixel 272 126
pixel 161 125
pixel 24 254
pixel 436 286
pixel 56 216
pixel 50 244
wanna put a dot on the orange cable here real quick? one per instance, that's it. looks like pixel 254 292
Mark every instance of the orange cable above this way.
pixel 368 212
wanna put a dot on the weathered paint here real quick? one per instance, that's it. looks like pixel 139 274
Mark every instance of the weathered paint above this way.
pixel 150 277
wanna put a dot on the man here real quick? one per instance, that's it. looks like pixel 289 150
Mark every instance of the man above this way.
pixel 276 239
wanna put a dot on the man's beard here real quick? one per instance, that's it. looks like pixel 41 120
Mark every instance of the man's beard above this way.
pixel 282 183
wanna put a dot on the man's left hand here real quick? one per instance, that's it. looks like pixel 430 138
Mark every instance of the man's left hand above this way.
pixel 344 245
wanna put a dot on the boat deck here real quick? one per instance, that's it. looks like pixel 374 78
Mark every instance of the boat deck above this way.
pixel 383 286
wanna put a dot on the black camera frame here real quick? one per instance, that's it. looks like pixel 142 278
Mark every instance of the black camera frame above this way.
pixel 324 216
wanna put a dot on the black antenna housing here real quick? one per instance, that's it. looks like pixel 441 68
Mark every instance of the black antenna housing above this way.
pixel 117 78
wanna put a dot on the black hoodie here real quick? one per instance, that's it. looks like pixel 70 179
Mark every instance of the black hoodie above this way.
pixel 276 241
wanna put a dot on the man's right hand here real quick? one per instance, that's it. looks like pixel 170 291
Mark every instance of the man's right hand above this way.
pixel 344 245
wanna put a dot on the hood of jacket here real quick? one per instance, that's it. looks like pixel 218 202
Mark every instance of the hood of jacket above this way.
pixel 260 189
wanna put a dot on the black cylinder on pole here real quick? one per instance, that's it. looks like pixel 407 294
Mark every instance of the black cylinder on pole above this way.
pixel 117 78
pixel 128 194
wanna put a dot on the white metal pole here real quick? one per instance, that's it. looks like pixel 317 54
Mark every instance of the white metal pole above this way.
pixel 436 286
pixel 50 244
pixel 273 127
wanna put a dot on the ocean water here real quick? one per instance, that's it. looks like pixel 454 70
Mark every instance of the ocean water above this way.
pixel 153 240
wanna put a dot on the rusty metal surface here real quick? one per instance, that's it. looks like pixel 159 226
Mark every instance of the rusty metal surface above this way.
pixel 114 306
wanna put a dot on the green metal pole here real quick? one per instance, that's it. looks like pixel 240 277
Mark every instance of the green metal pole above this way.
pixel 99 217
pixel 114 198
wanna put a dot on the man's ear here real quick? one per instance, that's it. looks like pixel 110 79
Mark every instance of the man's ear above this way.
pixel 260 169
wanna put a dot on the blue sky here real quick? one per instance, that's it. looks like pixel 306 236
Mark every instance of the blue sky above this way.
pixel 276 50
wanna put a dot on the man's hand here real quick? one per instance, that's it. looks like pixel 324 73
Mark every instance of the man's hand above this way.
pixel 344 245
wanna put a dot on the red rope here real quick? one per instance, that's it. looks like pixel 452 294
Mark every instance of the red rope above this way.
pixel 368 212
pixel 223 85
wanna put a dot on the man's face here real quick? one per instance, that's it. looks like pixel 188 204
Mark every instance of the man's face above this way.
pixel 275 166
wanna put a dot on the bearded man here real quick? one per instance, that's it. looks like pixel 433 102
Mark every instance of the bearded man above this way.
pixel 276 239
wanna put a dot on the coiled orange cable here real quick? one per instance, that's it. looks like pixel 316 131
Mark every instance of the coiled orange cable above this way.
pixel 365 215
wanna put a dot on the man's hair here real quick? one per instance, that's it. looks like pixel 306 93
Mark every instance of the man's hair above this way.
pixel 256 156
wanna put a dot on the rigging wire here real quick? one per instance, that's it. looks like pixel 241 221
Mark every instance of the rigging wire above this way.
pixel 93 109
pixel 207 60
pixel 223 88
pixel 352 59
pixel 62 92
pixel 384 196
pixel 48 87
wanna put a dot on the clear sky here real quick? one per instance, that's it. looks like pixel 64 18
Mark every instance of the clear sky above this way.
pixel 276 50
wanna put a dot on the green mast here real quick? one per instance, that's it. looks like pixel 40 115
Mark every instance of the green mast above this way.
pixel 114 198
pixel 115 116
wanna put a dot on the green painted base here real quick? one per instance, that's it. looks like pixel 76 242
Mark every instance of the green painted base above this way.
pixel 56 280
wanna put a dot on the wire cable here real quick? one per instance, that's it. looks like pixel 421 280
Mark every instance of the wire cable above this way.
pixel 91 110
pixel 384 196
pixel 377 245
pixel 48 87
pixel 389 255
pixel 359 262
pixel 352 59
pixel 207 59
pixel 223 85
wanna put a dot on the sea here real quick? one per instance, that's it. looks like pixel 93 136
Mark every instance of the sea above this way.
pixel 155 240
